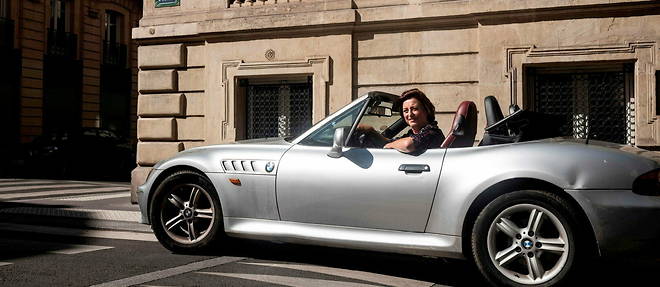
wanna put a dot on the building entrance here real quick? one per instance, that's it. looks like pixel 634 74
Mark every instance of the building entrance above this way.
pixel 278 110
pixel 597 102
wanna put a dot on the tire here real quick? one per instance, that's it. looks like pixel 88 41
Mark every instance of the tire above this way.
pixel 526 238
pixel 185 213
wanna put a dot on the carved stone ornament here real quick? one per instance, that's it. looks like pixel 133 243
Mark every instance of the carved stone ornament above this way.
pixel 270 54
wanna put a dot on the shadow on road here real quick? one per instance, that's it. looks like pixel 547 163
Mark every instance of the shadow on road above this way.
pixel 16 220
pixel 631 271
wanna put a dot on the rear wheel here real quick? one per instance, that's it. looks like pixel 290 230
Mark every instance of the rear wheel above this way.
pixel 185 212
pixel 526 238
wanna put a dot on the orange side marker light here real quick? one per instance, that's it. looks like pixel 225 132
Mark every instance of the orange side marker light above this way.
pixel 235 181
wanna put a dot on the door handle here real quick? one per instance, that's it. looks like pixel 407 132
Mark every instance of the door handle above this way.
pixel 414 168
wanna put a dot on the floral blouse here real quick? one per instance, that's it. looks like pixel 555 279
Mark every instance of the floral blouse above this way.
pixel 428 137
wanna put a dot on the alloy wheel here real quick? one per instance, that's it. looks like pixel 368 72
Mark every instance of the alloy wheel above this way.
pixel 528 244
pixel 188 213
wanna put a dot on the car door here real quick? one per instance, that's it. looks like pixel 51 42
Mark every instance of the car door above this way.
pixel 368 188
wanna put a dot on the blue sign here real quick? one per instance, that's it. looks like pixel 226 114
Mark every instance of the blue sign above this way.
pixel 167 3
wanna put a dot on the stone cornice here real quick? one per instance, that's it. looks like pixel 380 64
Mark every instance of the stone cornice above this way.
pixel 427 13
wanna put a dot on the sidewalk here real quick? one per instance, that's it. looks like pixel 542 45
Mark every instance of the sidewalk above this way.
pixel 40 205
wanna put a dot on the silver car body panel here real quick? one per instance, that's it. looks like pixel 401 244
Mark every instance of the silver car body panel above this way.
pixel 361 200
pixel 363 188
pixel 622 220
pixel 467 172
pixel 346 237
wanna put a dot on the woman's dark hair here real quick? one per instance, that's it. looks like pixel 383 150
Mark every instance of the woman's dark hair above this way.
pixel 421 97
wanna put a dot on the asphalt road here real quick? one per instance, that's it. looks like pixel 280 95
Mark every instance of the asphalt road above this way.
pixel 53 235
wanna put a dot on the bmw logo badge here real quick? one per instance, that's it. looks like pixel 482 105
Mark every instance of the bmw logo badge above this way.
pixel 270 166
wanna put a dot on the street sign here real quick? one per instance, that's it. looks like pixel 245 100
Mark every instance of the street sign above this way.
pixel 167 3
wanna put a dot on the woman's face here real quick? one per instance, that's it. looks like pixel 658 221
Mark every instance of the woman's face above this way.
pixel 414 114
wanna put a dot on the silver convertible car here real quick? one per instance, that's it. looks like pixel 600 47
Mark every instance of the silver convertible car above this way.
pixel 526 211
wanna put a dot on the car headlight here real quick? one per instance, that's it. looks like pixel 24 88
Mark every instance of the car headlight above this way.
pixel 648 183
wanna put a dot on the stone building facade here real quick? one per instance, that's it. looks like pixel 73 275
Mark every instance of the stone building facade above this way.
pixel 212 70
pixel 67 64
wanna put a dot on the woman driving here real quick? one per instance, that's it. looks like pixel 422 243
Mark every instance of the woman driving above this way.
pixel 419 113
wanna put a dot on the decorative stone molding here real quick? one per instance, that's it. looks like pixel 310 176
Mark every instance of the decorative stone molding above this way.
pixel 316 66
pixel 640 52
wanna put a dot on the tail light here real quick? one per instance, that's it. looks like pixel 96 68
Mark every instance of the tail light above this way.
pixel 648 183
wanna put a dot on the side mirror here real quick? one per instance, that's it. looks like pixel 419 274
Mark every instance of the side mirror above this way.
pixel 338 142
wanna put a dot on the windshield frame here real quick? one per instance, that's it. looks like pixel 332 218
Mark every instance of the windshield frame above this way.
pixel 362 100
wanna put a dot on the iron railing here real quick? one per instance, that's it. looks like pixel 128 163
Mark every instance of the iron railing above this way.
pixel 114 54
pixel 250 3
pixel 592 104
pixel 63 44
pixel 278 110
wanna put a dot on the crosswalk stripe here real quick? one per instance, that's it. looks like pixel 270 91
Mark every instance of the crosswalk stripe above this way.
pixel 13 181
pixel 94 197
pixel 98 214
pixel 22 182
pixel 290 281
pixel 360 275
pixel 72 249
pixel 58 247
pixel 107 234
pixel 31 187
pixel 60 192
pixel 153 276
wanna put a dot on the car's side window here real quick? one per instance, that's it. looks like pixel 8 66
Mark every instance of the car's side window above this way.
pixel 324 135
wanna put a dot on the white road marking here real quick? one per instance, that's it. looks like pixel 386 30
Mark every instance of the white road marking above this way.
pixel 153 276
pixel 5 263
pixel 15 181
pixel 94 197
pixel 60 192
pixel 360 275
pixel 290 281
pixel 71 249
pixel 99 214
pixel 108 234
pixel 31 187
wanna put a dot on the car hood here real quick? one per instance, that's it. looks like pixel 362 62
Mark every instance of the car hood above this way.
pixel 208 158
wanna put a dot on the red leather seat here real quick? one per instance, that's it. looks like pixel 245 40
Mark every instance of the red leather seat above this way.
pixel 464 127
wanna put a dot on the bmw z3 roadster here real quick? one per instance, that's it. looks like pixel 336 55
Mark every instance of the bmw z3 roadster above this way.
pixel 526 211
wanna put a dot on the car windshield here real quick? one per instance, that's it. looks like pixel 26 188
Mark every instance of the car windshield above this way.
pixel 324 135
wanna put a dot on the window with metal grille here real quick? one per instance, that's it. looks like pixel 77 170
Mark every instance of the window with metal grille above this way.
pixel 278 110
pixel 597 103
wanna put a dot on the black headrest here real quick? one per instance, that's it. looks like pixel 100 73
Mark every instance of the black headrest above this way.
pixel 493 111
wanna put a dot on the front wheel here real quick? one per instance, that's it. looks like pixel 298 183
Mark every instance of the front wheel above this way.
pixel 526 238
pixel 185 212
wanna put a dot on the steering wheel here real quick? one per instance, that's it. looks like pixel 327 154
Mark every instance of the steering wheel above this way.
pixel 363 140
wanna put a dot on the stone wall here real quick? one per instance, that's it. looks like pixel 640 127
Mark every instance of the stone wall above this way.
pixel 195 53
